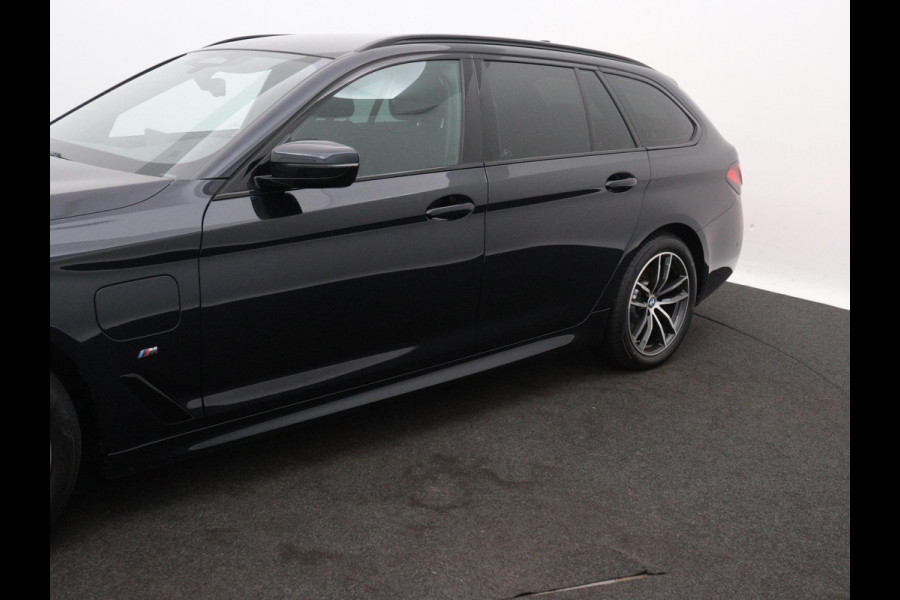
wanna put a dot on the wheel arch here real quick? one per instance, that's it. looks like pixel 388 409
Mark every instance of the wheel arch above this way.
pixel 692 240
pixel 71 377
pixel 683 232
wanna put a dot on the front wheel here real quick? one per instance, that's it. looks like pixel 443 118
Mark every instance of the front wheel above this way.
pixel 65 446
pixel 654 304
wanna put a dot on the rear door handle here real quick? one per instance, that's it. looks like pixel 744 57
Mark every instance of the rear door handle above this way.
pixel 450 208
pixel 621 182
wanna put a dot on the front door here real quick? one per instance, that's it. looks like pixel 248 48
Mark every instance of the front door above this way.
pixel 311 292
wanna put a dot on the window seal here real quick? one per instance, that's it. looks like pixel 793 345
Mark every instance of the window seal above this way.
pixel 512 161
pixel 253 191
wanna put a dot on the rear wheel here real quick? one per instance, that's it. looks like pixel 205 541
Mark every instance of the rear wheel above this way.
pixel 654 304
pixel 65 446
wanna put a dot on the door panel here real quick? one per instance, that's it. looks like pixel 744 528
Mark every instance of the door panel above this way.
pixel 322 290
pixel 556 225
pixel 553 237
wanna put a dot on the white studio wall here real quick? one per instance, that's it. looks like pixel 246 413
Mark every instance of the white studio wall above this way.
pixel 774 77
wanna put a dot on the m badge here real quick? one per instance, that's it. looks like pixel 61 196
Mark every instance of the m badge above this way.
pixel 148 352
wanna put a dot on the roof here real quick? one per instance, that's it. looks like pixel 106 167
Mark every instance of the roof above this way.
pixel 332 46
pixel 329 46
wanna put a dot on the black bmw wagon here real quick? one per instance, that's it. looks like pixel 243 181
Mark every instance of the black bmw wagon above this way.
pixel 275 228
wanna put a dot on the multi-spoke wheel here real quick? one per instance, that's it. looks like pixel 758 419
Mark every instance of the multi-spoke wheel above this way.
pixel 654 304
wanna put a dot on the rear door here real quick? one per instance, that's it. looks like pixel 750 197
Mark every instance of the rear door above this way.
pixel 566 184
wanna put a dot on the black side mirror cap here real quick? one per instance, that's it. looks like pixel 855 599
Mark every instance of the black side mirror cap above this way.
pixel 310 164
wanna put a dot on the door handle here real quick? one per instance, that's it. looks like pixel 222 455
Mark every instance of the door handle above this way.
pixel 450 208
pixel 621 182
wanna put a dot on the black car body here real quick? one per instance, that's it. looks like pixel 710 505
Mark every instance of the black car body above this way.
pixel 510 199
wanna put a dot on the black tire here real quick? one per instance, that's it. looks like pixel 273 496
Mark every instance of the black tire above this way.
pixel 653 305
pixel 65 447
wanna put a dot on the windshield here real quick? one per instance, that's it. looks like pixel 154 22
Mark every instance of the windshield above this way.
pixel 164 121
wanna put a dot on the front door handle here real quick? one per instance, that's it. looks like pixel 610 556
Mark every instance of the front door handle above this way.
pixel 450 208
pixel 621 182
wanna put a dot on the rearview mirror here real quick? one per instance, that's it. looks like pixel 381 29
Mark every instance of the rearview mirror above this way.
pixel 310 164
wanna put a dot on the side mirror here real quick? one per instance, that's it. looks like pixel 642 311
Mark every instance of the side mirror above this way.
pixel 310 164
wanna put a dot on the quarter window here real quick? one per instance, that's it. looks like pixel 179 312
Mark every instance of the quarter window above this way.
pixel 402 118
pixel 657 119
pixel 539 110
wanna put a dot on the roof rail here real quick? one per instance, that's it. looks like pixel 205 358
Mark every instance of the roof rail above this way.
pixel 243 37
pixel 497 41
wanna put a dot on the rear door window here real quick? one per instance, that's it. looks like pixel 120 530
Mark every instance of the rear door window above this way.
pixel 539 110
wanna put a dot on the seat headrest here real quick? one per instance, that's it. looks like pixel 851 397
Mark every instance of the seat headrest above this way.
pixel 424 94
pixel 336 108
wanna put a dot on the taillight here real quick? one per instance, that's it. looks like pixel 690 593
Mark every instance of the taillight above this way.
pixel 734 177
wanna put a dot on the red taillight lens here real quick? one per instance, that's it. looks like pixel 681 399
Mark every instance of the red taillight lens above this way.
pixel 735 177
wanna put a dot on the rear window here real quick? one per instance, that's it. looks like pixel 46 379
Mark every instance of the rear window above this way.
pixel 539 110
pixel 656 117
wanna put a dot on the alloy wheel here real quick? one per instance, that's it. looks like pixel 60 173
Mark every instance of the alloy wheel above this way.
pixel 659 303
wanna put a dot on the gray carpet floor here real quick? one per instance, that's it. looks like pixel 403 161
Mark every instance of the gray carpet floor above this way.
pixel 723 474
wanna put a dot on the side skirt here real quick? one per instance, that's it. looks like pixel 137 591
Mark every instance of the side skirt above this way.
pixel 129 461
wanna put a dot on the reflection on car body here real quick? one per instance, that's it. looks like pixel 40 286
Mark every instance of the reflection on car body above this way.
pixel 271 229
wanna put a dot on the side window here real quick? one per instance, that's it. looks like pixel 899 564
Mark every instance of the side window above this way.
pixel 658 120
pixel 539 110
pixel 608 129
pixel 402 118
